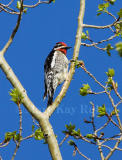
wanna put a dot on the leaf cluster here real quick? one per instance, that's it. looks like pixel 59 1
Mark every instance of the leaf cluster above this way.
pixel 84 35
pixel 71 130
pixel 101 110
pixel 110 83
pixel 16 96
pixel 119 48
pixel 71 143
pixel 38 134
pixel 84 90
pixel 12 135
pixel 109 48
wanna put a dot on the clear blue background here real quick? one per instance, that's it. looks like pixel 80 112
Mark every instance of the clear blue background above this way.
pixel 40 29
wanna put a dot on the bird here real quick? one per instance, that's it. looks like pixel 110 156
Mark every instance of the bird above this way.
pixel 55 70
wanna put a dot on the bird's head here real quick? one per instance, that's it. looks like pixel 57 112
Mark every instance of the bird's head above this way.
pixel 61 46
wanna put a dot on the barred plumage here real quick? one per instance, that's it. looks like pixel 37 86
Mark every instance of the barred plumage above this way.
pixel 55 70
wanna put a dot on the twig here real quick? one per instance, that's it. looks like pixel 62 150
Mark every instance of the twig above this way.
pixel 96 93
pixel 35 122
pixel 76 149
pixel 118 103
pixel 28 137
pixel 100 149
pixel 10 3
pixel 91 75
pixel 12 12
pixel 106 147
pixel 115 123
pixel 120 149
pixel 20 131
pixel 96 43
pixel 14 31
pixel 114 148
pixel 110 15
pixel 6 8
pixel 93 114
pixel 115 109
pixel 86 140
pixel 100 27
pixel 67 135
pixel 4 144
pixel 115 89
pixel 37 4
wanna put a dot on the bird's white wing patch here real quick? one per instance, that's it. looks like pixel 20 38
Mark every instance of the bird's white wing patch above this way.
pixel 53 60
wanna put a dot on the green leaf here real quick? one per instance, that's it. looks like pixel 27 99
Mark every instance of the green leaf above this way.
pixel 113 112
pixel 9 136
pixel 102 110
pixel 16 95
pixel 25 10
pixel 71 143
pixel 89 136
pixel 84 90
pixel 103 7
pixel 110 73
pixel 18 4
pixel 101 114
pixel 78 63
pixel 86 86
pixel 110 88
pixel 98 14
pixel 109 83
pixel 112 1
pixel 87 32
pixel 17 137
pixel 76 133
pixel 108 48
pixel 118 29
pixel 70 127
pixel 119 48
pixel 84 36
pixel 120 13
pixel 106 5
pixel 39 134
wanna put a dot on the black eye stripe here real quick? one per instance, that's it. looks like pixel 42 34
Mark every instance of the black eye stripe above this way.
pixel 58 45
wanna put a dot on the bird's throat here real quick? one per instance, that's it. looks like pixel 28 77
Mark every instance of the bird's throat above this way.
pixel 64 51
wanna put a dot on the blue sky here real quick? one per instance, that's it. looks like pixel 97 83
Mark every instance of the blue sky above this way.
pixel 40 29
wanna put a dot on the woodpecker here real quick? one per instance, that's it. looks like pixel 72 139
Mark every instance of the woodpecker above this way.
pixel 55 70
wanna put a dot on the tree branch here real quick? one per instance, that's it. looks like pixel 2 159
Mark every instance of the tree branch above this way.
pixel 91 75
pixel 20 131
pixel 96 43
pixel 37 4
pixel 14 31
pixel 76 149
pixel 115 147
pixel 100 27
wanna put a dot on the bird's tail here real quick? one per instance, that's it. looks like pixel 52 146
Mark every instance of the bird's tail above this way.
pixel 50 97
pixel 50 100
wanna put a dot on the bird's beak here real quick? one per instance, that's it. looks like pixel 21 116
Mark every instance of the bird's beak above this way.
pixel 68 47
